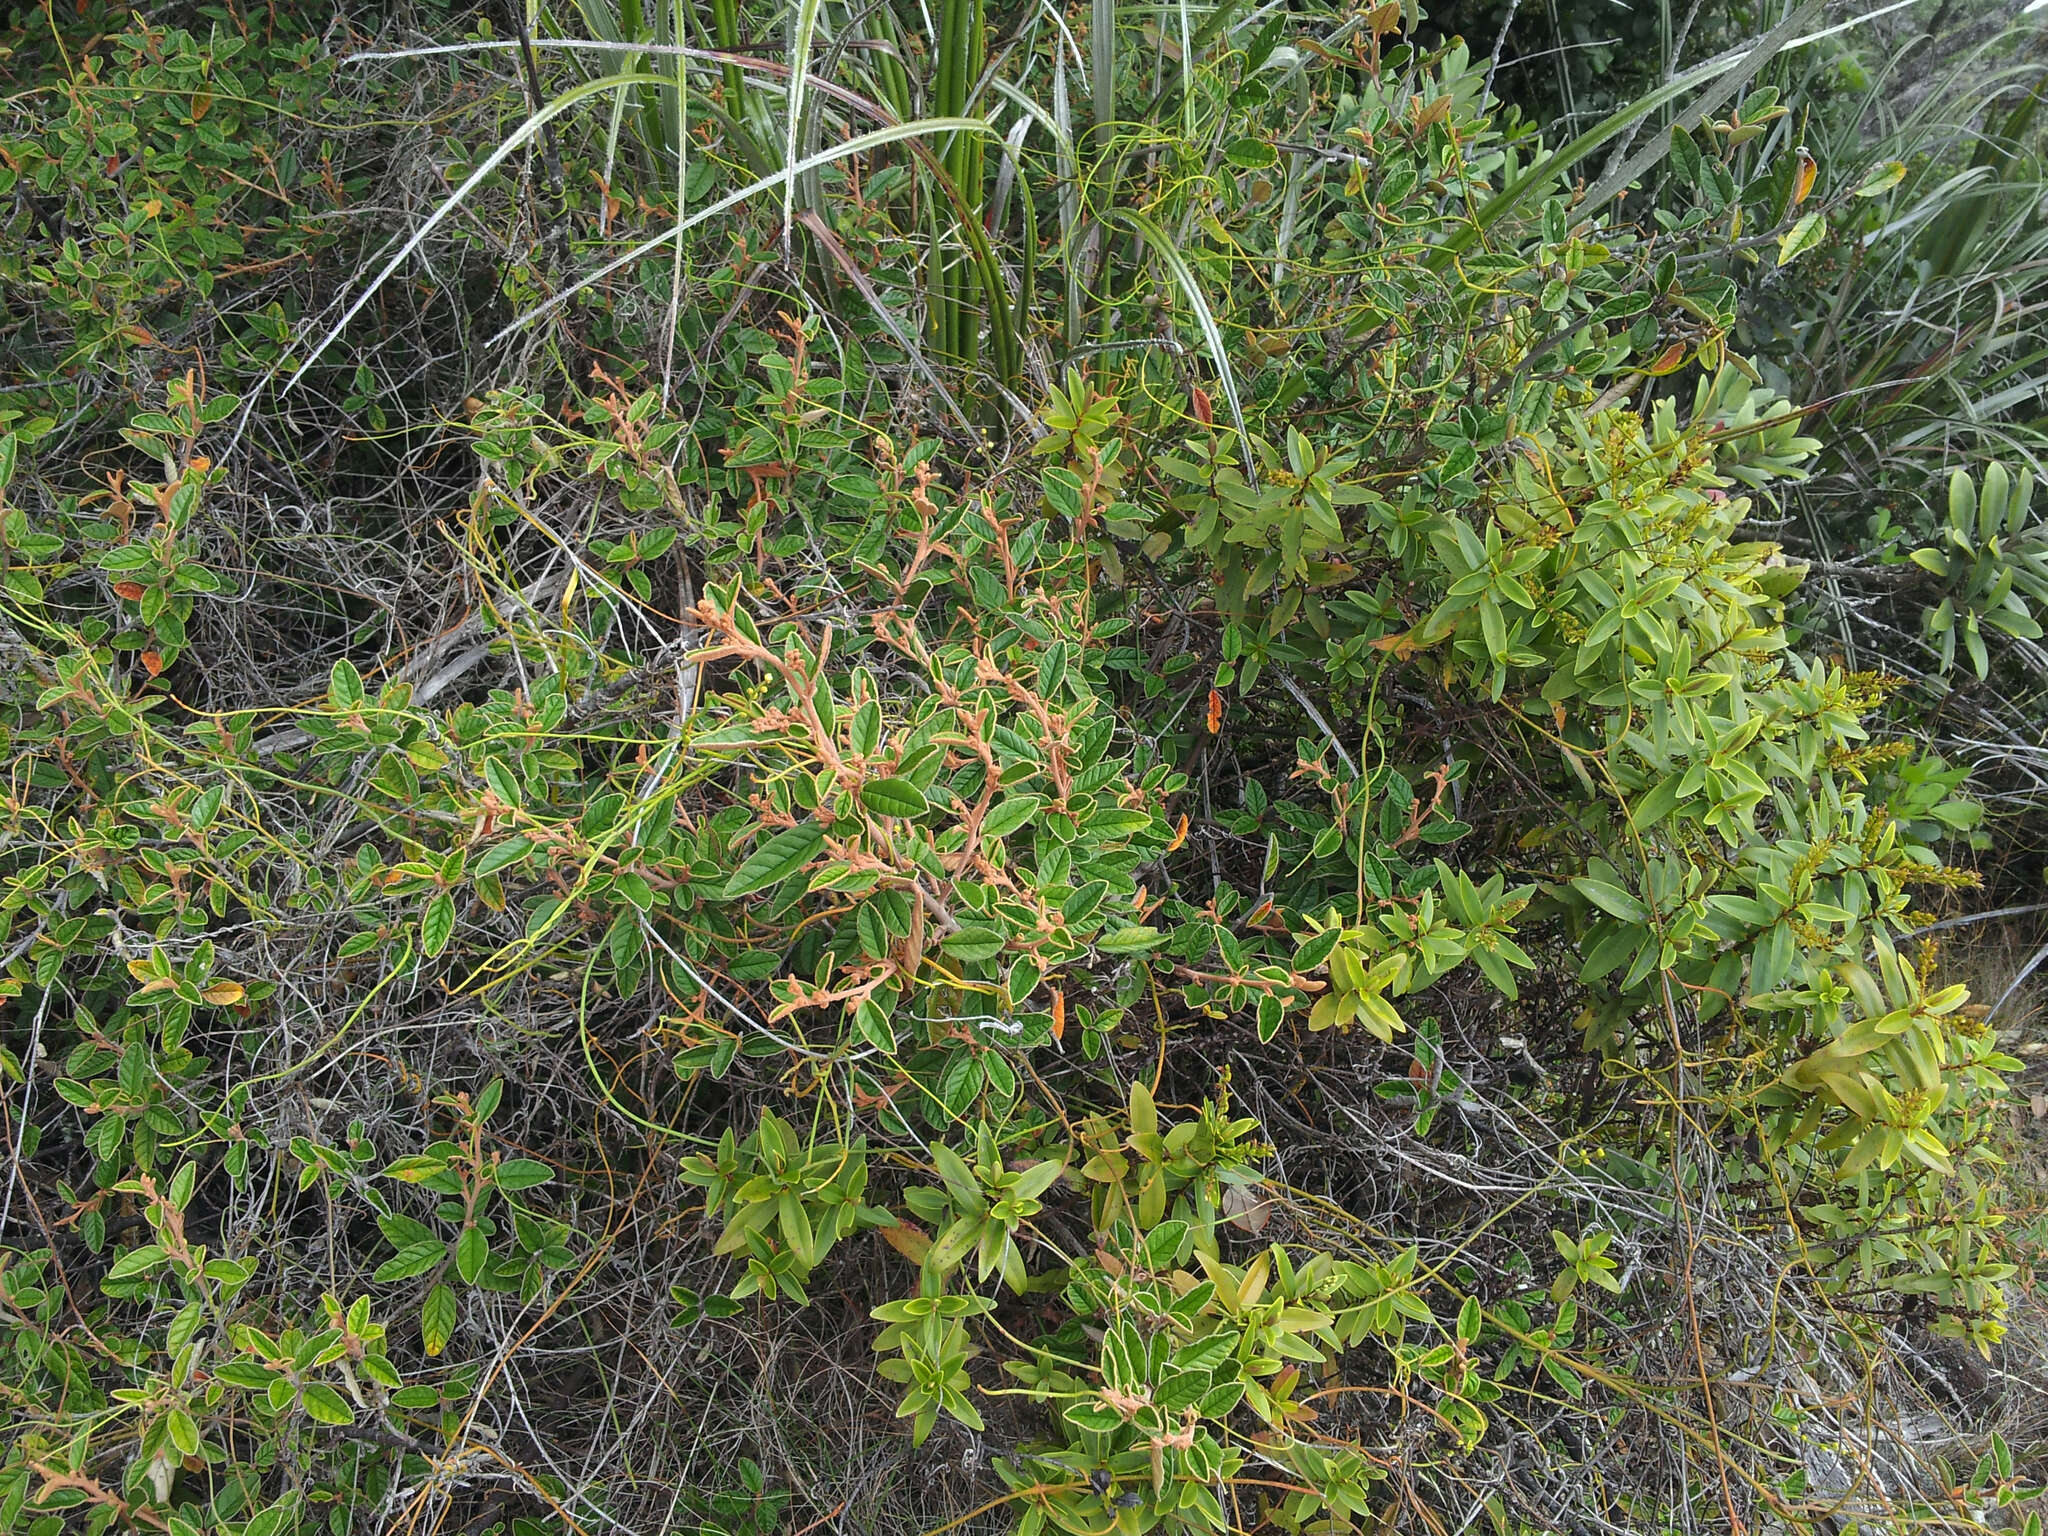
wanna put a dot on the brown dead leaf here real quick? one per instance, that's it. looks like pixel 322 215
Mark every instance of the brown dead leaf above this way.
pixel 1667 361
pixel 1245 1210
pixel 908 1239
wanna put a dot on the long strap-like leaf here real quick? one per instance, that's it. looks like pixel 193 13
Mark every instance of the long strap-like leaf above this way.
pixel 805 27
pixel 489 163
pixel 829 243
pixel 895 133
pixel 1212 336
pixel 1542 172
pixel 1768 47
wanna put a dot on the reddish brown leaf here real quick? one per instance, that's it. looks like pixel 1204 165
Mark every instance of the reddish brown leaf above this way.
pixel 1803 172
pixel 908 1239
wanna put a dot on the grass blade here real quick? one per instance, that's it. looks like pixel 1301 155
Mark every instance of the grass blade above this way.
pixel 822 233
pixel 895 133
pixel 799 77
pixel 1738 73
pixel 519 136
pixel 1212 336
pixel 1102 69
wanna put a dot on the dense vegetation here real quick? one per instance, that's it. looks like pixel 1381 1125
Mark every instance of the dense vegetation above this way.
pixel 891 768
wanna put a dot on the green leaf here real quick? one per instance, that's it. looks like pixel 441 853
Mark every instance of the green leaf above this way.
pixel 326 1405
pixel 955 1243
pixel 414 1169
pixel 511 851
pixel 1685 156
pixel 1962 502
pixel 776 860
pixel 893 797
pixel 1657 804
pixel 246 1374
pixel 1081 906
pixel 136 1261
pixel 438 926
pixel 1811 229
pixel 471 1251
pixel 1931 561
pixel 958 1178
pixel 1131 939
pixel 1007 815
pixel 412 1259
pixel 974 942
pixel 437 1320
pixel 795 1223
pixel 523 1173
pixel 1612 899
pixel 345 685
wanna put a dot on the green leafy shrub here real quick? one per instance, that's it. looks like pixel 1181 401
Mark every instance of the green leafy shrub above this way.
pixel 1004 904
pixel 160 165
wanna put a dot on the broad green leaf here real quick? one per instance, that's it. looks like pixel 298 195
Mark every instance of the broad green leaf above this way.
pixel 958 1178
pixel 974 942
pixel 1931 560
pixel 472 1249
pixel 1082 905
pixel 1660 802
pixel 413 1259
pixel 508 852
pixel 345 685
pixel 1612 899
pixel 1811 229
pixel 523 1173
pixel 893 797
pixel 413 1169
pixel 438 926
pixel 776 860
pixel 437 1319
pixel 325 1405
pixel 1685 156
pixel 1007 815
pixel 1131 939
pixel 795 1223
pixel 1962 502
pixel 136 1261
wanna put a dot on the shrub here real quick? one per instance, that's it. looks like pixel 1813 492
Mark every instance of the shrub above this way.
pixel 1266 960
